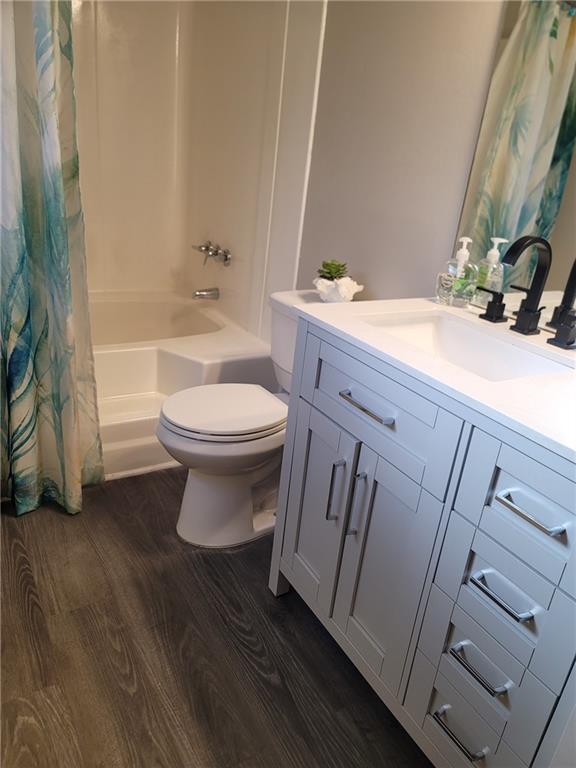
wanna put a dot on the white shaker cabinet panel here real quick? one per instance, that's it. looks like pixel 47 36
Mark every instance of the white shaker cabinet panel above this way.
pixel 387 550
pixel 324 458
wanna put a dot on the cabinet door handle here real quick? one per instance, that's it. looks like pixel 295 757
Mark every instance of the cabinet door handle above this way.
pixel 479 580
pixel 346 394
pixel 463 661
pixel 505 498
pixel 353 529
pixel 335 465
pixel 474 757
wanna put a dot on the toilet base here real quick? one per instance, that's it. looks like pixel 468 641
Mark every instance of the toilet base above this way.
pixel 218 510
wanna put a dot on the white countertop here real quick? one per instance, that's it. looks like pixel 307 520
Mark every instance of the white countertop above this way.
pixel 540 406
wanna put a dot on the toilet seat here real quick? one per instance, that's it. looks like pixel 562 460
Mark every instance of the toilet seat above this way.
pixel 202 436
pixel 224 413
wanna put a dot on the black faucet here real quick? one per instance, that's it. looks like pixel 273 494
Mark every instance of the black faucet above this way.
pixel 495 308
pixel 529 313
pixel 560 312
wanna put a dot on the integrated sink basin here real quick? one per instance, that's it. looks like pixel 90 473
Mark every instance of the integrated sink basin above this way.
pixel 459 343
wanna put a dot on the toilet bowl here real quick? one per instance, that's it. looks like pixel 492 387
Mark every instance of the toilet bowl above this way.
pixel 230 438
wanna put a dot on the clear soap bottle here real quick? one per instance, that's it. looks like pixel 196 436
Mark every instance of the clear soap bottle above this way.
pixel 456 286
pixel 490 272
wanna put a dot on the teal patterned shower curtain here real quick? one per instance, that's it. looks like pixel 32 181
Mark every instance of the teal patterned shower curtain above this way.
pixel 50 437
pixel 528 134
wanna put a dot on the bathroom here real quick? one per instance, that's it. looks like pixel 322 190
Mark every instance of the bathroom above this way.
pixel 226 150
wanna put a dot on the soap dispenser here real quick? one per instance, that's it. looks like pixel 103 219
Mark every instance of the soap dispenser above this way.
pixel 457 284
pixel 490 272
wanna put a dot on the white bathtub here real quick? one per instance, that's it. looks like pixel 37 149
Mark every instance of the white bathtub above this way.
pixel 147 346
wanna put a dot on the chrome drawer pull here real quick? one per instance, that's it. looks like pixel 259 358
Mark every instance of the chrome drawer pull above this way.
pixel 505 499
pixel 478 580
pixel 353 529
pixel 474 757
pixel 455 653
pixel 335 465
pixel 346 394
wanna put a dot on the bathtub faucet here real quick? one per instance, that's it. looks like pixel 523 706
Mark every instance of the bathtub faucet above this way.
pixel 207 293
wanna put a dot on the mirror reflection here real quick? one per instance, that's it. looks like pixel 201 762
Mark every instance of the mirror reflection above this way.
pixel 522 181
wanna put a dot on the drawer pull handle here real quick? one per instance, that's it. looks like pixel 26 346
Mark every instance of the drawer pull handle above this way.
pixel 474 757
pixel 335 465
pixel 478 579
pixel 505 499
pixel 462 660
pixel 346 394
pixel 353 529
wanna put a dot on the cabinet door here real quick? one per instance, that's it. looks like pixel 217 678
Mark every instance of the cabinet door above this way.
pixel 388 544
pixel 324 458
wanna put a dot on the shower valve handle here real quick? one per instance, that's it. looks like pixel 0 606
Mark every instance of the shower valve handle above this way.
pixel 215 252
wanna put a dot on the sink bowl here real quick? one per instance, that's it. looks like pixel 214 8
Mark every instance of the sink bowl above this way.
pixel 459 343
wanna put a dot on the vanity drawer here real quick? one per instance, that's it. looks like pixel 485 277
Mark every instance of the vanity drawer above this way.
pixel 460 724
pixel 460 734
pixel 466 640
pixel 527 507
pixel 520 714
pixel 406 429
pixel 512 701
pixel 514 604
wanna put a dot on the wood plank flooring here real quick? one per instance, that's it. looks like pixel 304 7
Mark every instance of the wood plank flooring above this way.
pixel 124 647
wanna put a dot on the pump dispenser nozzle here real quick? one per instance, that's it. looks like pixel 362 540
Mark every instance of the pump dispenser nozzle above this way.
pixel 463 254
pixel 493 254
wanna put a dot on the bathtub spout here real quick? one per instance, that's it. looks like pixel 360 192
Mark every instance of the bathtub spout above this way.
pixel 207 293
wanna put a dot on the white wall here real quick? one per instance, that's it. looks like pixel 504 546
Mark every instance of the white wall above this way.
pixel 236 60
pixel 301 73
pixel 402 91
pixel 126 75
pixel 178 110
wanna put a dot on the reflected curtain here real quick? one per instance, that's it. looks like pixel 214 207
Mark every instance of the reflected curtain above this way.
pixel 50 437
pixel 528 134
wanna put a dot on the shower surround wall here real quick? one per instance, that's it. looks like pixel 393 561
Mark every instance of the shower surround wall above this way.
pixel 178 115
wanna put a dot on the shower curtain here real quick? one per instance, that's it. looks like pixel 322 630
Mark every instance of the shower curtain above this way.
pixel 50 438
pixel 528 134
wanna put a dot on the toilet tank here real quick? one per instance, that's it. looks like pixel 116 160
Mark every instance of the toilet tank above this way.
pixel 283 330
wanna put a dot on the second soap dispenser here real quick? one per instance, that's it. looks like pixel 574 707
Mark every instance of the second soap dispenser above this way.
pixel 490 272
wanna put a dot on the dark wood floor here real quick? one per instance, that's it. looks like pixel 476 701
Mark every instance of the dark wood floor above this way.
pixel 124 646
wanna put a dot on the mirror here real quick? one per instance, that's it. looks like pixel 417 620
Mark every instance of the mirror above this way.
pixel 522 180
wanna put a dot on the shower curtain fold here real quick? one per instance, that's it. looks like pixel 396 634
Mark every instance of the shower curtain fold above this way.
pixel 50 436
pixel 527 136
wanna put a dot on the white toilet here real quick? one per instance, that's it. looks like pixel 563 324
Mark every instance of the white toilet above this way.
pixel 230 436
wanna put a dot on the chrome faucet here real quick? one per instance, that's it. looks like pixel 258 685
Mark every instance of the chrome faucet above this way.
pixel 207 293
pixel 560 312
pixel 214 252
pixel 529 313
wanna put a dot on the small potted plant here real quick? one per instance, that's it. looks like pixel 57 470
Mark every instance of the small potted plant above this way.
pixel 333 284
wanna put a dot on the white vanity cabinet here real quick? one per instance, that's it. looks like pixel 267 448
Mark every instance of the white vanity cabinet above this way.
pixel 499 635
pixel 439 555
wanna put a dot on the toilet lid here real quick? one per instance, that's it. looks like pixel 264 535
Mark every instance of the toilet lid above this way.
pixel 225 410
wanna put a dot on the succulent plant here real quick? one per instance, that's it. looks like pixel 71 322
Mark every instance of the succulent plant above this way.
pixel 332 270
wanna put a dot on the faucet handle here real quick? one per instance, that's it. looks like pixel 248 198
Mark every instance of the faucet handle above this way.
pixel 565 337
pixel 495 308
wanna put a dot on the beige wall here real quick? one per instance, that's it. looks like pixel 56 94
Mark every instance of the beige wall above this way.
pixel 563 238
pixel 402 91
